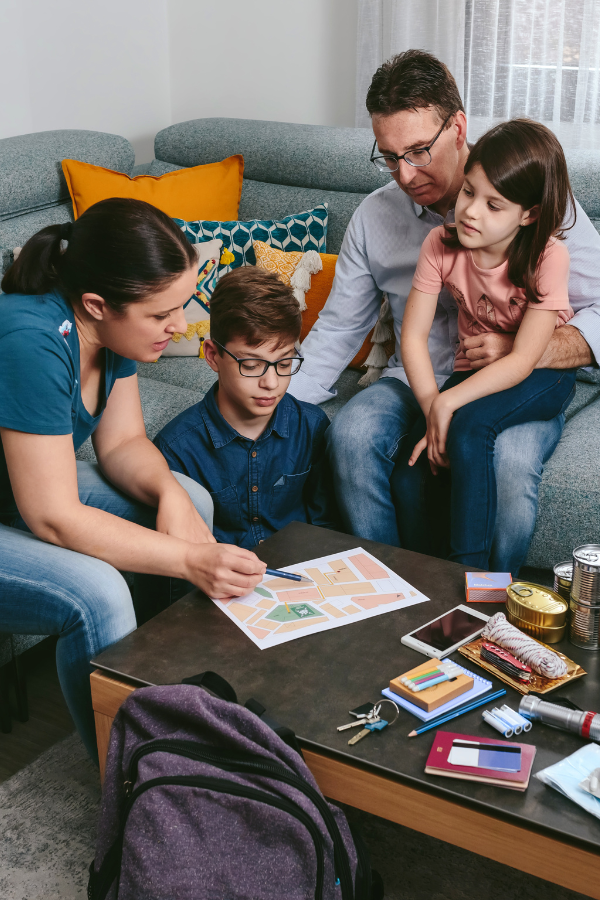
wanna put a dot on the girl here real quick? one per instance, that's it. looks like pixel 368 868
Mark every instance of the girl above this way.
pixel 81 302
pixel 505 265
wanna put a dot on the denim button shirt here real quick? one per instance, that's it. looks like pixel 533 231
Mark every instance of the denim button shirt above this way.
pixel 257 487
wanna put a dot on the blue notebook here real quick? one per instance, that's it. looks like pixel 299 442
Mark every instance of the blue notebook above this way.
pixel 480 686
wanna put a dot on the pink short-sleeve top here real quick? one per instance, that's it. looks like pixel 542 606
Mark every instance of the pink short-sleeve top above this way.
pixel 486 299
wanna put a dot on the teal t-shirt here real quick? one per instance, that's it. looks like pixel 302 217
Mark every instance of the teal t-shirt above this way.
pixel 39 375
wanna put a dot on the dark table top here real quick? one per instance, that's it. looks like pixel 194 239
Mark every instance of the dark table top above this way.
pixel 310 683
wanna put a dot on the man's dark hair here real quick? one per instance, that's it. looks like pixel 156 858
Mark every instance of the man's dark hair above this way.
pixel 413 80
pixel 256 306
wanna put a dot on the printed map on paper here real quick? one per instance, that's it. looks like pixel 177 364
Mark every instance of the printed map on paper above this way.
pixel 348 587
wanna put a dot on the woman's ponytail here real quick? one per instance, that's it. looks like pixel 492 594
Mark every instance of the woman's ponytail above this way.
pixel 35 270
pixel 122 250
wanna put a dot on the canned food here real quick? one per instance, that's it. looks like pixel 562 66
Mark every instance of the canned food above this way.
pixel 545 633
pixel 584 628
pixel 536 604
pixel 563 578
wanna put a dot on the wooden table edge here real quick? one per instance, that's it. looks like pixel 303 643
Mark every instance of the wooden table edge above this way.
pixel 505 842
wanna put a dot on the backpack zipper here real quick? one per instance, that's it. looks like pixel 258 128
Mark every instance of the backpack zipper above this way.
pixel 225 787
pixel 235 762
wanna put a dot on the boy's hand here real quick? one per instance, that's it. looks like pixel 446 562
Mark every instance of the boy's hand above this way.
pixel 177 516
pixel 223 570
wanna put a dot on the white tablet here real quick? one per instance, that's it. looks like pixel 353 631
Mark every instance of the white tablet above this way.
pixel 443 635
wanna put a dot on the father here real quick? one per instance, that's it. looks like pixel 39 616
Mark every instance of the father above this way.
pixel 420 137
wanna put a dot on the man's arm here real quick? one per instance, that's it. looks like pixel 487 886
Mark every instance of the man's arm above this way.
pixel 349 314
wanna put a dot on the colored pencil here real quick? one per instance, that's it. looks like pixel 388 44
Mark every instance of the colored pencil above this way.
pixel 481 701
pixel 277 573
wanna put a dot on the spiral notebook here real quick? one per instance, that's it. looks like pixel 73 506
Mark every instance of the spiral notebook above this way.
pixel 480 686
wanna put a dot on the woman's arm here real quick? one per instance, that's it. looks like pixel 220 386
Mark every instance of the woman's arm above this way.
pixel 532 338
pixel 132 463
pixel 416 325
pixel 43 476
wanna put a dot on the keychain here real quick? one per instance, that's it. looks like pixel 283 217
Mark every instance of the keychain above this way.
pixel 372 721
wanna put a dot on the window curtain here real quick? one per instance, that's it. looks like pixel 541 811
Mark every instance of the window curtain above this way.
pixel 535 58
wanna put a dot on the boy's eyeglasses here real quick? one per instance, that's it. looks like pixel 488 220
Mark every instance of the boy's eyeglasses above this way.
pixel 255 368
pixel 417 158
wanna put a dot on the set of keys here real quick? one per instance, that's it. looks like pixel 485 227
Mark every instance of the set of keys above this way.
pixel 368 716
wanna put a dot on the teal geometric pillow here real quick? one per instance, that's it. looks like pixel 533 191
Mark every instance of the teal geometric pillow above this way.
pixel 304 231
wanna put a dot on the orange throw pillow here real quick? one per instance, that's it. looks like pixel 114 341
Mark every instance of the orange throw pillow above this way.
pixel 320 287
pixel 208 192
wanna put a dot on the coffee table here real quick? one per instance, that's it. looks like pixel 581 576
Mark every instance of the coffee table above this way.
pixel 311 683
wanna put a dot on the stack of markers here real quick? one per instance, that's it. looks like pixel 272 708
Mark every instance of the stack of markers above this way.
pixel 444 671
pixel 506 721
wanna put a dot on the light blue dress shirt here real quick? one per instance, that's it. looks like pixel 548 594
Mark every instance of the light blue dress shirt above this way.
pixel 379 253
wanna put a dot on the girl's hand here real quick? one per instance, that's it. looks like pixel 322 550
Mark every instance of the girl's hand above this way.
pixel 438 423
pixel 177 516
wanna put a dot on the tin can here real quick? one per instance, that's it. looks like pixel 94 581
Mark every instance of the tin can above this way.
pixel 546 633
pixel 563 578
pixel 584 628
pixel 536 604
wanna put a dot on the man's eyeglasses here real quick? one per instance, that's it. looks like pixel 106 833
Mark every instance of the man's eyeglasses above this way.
pixel 255 368
pixel 421 157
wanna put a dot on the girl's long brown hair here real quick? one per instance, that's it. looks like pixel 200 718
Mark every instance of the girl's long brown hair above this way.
pixel 525 163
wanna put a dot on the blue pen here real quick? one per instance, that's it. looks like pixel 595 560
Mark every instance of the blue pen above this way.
pixel 277 573
pixel 481 701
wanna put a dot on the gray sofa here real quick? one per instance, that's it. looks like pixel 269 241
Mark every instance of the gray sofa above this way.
pixel 290 168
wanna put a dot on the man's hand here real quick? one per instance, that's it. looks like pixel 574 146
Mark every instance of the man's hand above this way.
pixel 483 349
pixel 568 349
pixel 177 516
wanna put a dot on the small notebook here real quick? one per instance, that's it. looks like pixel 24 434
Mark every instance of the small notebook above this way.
pixel 480 686
pixel 431 698
pixel 437 762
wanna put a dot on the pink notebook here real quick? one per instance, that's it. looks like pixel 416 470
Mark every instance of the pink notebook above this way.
pixel 437 762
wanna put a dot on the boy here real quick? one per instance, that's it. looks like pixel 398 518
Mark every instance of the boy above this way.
pixel 257 450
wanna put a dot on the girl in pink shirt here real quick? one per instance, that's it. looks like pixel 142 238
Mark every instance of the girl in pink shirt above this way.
pixel 505 264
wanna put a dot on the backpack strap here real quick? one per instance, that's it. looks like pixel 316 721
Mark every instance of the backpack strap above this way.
pixel 287 735
pixel 215 684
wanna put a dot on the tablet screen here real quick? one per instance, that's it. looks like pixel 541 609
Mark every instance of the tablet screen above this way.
pixel 448 630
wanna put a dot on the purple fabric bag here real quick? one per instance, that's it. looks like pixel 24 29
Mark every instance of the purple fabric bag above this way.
pixel 202 800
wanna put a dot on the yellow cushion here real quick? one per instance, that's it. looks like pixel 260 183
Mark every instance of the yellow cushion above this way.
pixel 209 192
pixel 284 264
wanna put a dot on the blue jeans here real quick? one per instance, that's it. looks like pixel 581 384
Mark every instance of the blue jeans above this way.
pixel 365 440
pixel 46 589
pixel 470 447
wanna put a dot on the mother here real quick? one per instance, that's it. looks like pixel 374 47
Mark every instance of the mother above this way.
pixel 81 302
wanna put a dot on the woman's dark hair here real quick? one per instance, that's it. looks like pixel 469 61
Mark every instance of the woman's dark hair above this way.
pixel 525 163
pixel 413 80
pixel 122 250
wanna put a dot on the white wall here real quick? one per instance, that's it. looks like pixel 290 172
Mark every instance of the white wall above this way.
pixel 285 60
pixel 75 64
pixel 132 67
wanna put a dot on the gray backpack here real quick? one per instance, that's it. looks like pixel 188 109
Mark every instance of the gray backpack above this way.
pixel 205 799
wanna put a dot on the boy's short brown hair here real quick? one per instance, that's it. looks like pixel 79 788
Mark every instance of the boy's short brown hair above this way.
pixel 255 305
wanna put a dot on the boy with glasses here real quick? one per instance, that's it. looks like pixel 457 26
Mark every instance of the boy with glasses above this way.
pixel 257 450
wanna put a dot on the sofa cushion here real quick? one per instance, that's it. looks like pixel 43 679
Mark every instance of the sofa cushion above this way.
pixel 186 372
pixel 569 498
pixel 300 231
pixel 30 164
pixel 15 232
pixel 197 309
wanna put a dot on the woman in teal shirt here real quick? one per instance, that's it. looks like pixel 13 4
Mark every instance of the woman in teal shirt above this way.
pixel 80 304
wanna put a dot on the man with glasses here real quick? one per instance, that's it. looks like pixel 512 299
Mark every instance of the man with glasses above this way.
pixel 258 451
pixel 420 139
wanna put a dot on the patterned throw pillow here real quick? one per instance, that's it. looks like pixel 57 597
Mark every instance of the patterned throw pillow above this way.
pixel 284 264
pixel 301 232
pixel 197 309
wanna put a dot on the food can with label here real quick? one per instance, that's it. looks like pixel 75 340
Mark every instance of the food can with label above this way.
pixel 563 578
pixel 536 605
pixel 585 597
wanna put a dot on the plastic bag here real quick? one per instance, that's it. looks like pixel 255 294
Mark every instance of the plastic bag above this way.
pixel 566 776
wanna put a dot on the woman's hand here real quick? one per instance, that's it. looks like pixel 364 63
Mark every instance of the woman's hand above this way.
pixel 177 516
pixel 223 571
